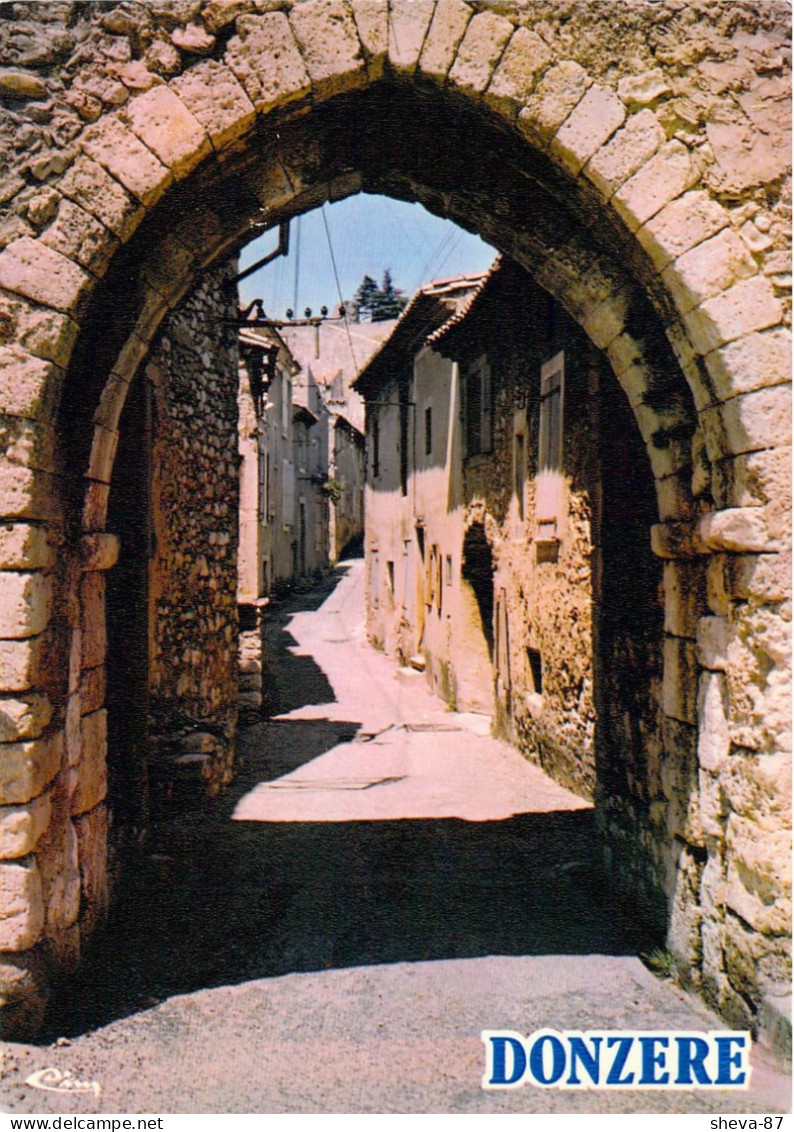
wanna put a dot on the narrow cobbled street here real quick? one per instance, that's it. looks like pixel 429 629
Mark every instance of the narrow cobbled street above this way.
pixel 381 882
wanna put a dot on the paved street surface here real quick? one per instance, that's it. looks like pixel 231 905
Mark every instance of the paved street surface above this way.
pixel 382 882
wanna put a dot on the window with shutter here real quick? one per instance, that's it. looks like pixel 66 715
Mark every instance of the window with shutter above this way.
pixel 549 495
pixel 288 492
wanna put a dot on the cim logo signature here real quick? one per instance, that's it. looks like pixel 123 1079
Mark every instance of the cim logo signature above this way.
pixel 617 1059
pixel 54 1081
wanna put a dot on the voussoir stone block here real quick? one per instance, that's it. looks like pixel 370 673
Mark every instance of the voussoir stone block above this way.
pixel 684 591
pixel 748 305
pixel 92 831
pixel 103 453
pixel 41 331
pixel 92 188
pixel 327 37
pixel 759 578
pixel 92 627
pixel 749 422
pixel 713 635
pixel 24 718
pixel 480 50
pixel 27 493
pixel 447 28
pixel 736 529
pixel 669 173
pixel 115 147
pixel 588 126
pixel 21 904
pixel 757 360
pixel 93 689
pixel 679 684
pixel 217 100
pixel 674 540
pixel 21 663
pixel 31 386
pixel 26 769
pixel 409 21
pixel 26 547
pixel 758 884
pixel 28 267
pixel 88 780
pixel 111 402
pixel 80 237
pixel 613 163
pixel 711 267
pixel 714 742
pixel 758 787
pixel 99 551
pixel 265 59
pixel 681 225
pixel 22 826
pixel 165 125
pixel 168 270
pixel 525 59
pixel 56 857
pixel 557 93
pixel 26 606
pixel 753 478
pixel 372 22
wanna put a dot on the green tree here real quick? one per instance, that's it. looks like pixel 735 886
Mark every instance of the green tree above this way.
pixel 366 297
pixel 375 304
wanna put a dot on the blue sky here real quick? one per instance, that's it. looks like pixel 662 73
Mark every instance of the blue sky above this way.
pixel 368 235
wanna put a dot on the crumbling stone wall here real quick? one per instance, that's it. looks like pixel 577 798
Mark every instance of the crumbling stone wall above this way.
pixel 193 367
pixel 642 177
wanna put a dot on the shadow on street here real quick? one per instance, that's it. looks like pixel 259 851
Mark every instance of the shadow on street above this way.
pixel 207 901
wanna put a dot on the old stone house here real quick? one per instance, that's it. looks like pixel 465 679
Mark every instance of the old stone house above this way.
pixel 331 352
pixel 507 538
pixel 633 157
pixel 267 463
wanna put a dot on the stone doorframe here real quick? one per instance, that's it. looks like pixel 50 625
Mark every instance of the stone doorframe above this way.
pixel 627 217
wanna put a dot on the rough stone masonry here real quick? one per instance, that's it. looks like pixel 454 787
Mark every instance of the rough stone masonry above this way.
pixel 642 178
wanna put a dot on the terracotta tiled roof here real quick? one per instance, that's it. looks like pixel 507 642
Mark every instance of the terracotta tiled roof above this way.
pixel 463 311
pixel 431 308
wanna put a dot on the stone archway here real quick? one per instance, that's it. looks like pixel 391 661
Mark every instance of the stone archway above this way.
pixel 616 185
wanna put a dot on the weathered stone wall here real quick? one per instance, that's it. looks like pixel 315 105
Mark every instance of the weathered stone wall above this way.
pixel 642 177
pixel 193 366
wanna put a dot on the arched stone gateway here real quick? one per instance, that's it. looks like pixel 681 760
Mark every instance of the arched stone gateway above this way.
pixel 632 156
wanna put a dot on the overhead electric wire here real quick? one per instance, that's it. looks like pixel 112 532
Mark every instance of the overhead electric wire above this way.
pixel 342 306
pixel 442 247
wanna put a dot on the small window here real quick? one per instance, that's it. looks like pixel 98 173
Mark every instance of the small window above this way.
pixel 549 494
pixel 431 576
pixel 448 576
pixel 286 406
pixel 287 493
pixel 536 670
pixel 404 419
pixel 390 575
pixel 263 462
pixel 477 404
pixel 375 446
pixel 428 431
